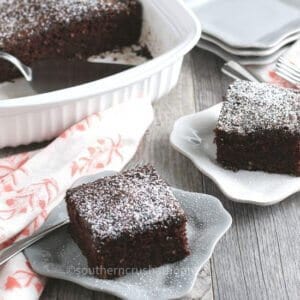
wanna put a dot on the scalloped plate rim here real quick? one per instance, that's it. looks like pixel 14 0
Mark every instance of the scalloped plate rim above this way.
pixel 226 222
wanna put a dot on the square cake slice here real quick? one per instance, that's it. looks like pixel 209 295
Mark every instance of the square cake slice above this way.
pixel 259 128
pixel 127 222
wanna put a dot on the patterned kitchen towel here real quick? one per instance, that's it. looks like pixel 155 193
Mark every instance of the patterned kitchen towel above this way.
pixel 32 184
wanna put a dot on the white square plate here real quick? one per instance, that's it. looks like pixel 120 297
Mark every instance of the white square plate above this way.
pixel 248 24
pixel 193 136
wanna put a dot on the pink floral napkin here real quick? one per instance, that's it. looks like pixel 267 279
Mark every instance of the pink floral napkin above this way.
pixel 32 184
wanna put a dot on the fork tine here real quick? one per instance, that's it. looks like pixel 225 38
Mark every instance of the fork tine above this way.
pixel 288 70
pixel 286 77
pixel 289 74
pixel 288 64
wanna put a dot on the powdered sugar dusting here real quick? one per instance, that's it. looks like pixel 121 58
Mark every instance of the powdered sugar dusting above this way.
pixel 20 16
pixel 132 202
pixel 253 106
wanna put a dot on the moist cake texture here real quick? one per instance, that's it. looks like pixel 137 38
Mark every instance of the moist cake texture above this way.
pixel 37 29
pixel 128 221
pixel 259 128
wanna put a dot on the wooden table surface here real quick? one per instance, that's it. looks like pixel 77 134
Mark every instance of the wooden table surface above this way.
pixel 259 257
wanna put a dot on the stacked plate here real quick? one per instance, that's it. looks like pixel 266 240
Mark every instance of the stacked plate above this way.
pixel 248 32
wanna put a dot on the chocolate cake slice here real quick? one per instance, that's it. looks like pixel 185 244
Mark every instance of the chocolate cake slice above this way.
pixel 38 29
pixel 259 128
pixel 127 222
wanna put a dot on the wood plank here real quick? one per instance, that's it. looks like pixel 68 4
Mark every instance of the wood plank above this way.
pixel 259 257
pixel 59 289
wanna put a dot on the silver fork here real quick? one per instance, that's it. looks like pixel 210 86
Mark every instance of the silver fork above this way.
pixel 57 218
pixel 288 71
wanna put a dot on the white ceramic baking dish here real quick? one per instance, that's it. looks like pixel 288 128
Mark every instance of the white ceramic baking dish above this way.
pixel 170 30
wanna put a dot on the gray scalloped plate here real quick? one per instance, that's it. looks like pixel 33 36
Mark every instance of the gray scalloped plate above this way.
pixel 58 256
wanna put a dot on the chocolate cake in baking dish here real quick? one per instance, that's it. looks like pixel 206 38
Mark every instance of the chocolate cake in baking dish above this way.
pixel 259 128
pixel 38 29
pixel 127 222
